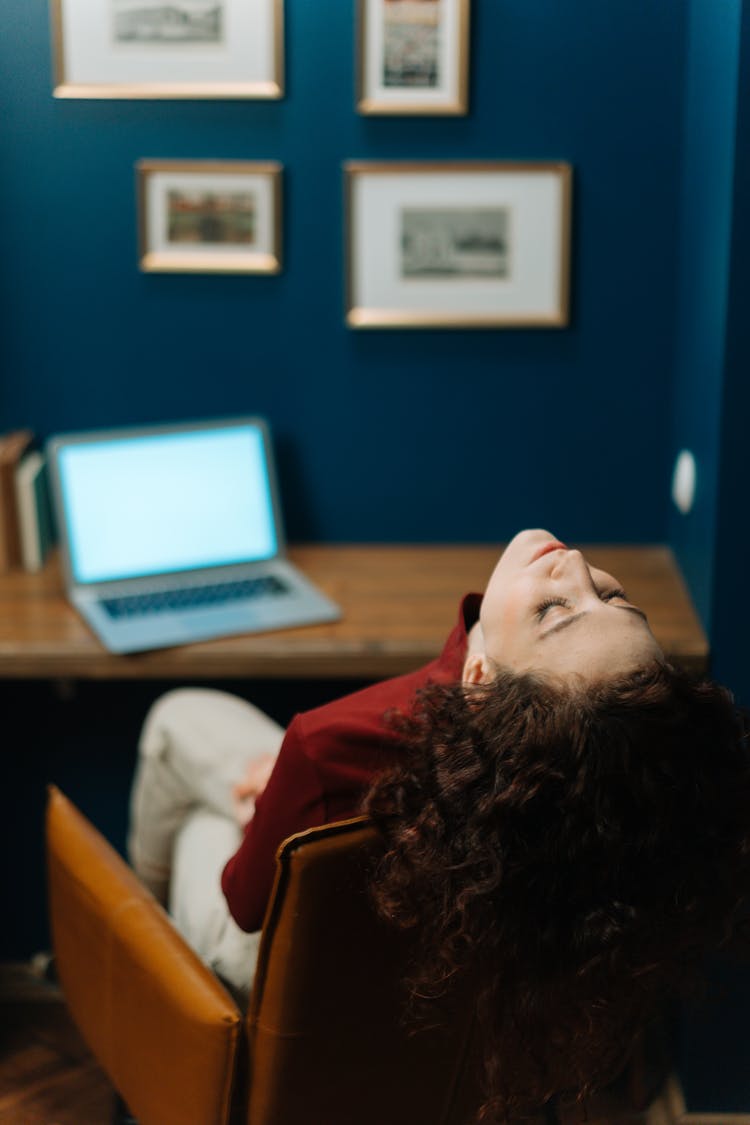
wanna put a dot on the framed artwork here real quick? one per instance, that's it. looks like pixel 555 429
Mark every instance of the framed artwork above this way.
pixel 179 49
pixel 413 56
pixel 209 216
pixel 457 245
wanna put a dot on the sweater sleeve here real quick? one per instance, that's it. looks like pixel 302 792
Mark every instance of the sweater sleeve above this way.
pixel 292 801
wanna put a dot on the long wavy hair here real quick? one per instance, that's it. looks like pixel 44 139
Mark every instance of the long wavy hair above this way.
pixel 575 851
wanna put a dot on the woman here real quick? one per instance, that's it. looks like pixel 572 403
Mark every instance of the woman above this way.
pixel 566 816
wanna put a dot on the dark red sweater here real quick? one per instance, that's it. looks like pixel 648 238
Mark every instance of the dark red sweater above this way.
pixel 327 761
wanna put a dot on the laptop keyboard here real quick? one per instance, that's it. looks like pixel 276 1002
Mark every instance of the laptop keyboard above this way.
pixel 191 597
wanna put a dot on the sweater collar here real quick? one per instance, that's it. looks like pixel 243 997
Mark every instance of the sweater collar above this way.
pixel 451 659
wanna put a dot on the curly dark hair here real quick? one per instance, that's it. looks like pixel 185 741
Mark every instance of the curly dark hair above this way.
pixel 576 850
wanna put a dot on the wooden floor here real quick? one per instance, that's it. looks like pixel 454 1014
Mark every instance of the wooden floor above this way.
pixel 47 1076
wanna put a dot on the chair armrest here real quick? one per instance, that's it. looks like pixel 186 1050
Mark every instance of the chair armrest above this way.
pixel 158 1021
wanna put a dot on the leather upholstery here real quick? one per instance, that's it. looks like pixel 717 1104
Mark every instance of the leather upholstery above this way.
pixel 159 1022
pixel 325 1039
pixel 322 1044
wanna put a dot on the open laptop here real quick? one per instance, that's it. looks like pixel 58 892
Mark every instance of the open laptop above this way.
pixel 172 534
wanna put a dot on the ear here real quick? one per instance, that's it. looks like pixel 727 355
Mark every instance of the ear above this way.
pixel 476 669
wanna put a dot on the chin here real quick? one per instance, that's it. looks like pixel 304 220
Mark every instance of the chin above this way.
pixel 535 534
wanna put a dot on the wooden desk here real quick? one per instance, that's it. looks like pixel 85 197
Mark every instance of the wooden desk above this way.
pixel 399 603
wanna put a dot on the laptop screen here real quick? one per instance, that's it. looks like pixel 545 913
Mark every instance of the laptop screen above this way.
pixel 156 503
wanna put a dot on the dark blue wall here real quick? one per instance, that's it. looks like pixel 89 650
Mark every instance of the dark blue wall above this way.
pixel 711 407
pixel 391 435
pixel 703 274
pixel 712 354
pixel 730 577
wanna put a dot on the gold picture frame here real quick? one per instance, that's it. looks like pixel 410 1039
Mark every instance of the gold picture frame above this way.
pixel 412 57
pixel 141 49
pixel 459 244
pixel 209 216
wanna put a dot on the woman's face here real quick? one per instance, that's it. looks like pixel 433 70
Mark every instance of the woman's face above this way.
pixel 547 610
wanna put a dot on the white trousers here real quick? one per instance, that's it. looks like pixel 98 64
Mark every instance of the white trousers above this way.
pixel 195 744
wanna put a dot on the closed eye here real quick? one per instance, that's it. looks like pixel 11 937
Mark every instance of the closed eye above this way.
pixel 544 607
pixel 606 596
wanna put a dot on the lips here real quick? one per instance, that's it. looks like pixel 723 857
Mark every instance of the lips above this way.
pixel 551 545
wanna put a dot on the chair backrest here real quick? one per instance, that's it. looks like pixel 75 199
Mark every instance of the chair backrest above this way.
pixel 156 1018
pixel 325 1034
pixel 325 1043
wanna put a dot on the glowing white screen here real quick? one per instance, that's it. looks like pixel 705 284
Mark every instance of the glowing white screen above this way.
pixel 166 502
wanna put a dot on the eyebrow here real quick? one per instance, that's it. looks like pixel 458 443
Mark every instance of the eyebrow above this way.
pixel 567 621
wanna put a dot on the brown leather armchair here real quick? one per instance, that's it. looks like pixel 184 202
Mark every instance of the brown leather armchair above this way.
pixel 322 1043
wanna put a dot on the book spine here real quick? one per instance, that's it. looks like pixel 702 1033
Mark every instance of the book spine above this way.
pixel 34 516
pixel 4 554
pixel 28 524
pixel 13 447
pixel 10 545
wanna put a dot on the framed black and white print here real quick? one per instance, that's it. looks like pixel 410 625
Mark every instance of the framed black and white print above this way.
pixel 457 245
pixel 179 49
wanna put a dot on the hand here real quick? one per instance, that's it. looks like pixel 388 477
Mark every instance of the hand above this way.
pixel 249 787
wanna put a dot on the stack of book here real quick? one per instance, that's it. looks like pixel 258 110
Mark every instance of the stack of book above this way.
pixel 26 526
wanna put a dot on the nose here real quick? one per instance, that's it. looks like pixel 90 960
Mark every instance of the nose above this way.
pixel 571 565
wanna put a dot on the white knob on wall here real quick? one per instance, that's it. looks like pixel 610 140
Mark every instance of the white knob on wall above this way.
pixel 683 481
